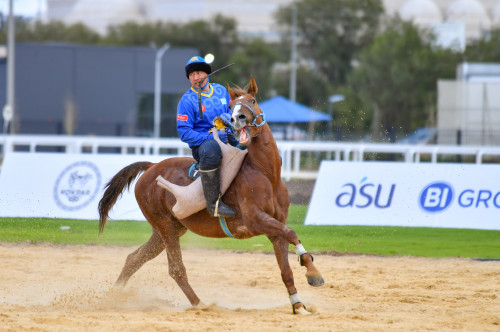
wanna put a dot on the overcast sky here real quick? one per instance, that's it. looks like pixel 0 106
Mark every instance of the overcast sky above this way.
pixel 24 7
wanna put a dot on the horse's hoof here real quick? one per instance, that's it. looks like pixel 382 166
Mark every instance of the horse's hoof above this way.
pixel 302 311
pixel 201 306
pixel 315 280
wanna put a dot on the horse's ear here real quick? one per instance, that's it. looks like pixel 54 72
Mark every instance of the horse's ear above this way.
pixel 232 94
pixel 252 88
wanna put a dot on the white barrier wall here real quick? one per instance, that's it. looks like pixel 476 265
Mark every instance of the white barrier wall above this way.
pixel 56 185
pixel 402 194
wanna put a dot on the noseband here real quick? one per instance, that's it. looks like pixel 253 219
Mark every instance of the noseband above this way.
pixel 255 116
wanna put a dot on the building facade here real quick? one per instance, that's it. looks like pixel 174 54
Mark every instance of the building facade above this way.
pixel 469 107
pixel 91 90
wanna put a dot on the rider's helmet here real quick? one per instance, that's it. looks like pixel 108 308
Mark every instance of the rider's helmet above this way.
pixel 197 63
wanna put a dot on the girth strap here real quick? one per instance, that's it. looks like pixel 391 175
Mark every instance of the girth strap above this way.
pixel 223 226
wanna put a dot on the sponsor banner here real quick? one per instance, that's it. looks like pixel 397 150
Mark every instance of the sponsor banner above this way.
pixel 57 185
pixel 402 194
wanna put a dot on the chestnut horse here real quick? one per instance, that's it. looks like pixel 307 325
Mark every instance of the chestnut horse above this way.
pixel 257 194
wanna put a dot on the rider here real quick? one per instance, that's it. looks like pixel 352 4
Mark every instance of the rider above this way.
pixel 196 131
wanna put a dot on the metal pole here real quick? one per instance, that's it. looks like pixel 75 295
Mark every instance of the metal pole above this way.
pixel 293 60
pixel 293 71
pixel 330 123
pixel 332 100
pixel 10 70
pixel 157 104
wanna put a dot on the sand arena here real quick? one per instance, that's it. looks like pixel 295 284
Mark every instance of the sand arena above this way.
pixel 45 287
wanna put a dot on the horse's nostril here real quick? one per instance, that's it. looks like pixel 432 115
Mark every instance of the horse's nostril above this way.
pixel 232 120
pixel 241 117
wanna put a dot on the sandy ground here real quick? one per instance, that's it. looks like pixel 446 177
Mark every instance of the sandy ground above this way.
pixel 69 288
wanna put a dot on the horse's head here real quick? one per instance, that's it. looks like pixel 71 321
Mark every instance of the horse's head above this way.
pixel 247 118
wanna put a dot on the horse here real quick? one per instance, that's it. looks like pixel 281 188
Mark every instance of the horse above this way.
pixel 257 194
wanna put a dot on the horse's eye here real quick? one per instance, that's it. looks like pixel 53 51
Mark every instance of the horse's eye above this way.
pixel 252 101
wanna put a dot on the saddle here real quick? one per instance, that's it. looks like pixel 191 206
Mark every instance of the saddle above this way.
pixel 190 198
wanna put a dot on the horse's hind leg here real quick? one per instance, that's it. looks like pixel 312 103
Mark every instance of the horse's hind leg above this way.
pixel 171 233
pixel 149 250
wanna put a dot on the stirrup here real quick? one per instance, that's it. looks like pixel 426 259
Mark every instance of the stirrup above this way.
pixel 230 211
pixel 216 210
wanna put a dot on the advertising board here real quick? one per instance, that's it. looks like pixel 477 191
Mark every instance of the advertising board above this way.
pixel 61 185
pixel 404 194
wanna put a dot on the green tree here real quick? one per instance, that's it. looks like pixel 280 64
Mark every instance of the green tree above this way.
pixel 351 116
pixel 37 31
pixel 132 33
pixel 311 88
pixel 485 49
pixel 397 77
pixel 216 36
pixel 252 57
pixel 332 32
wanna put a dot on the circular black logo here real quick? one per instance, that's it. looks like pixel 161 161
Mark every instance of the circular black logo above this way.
pixel 77 185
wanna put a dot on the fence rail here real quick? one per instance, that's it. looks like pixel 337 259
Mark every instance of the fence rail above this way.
pixel 300 159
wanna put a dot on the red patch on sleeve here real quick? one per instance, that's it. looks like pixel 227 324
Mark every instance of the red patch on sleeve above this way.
pixel 181 117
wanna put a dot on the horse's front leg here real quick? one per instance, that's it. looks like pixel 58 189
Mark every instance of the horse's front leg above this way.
pixel 281 251
pixel 281 235
pixel 272 227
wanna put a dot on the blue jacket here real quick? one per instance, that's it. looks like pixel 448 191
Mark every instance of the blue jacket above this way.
pixel 190 128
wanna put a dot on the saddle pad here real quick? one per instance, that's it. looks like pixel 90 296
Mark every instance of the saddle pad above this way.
pixel 190 198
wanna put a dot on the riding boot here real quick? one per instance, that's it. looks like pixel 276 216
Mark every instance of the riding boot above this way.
pixel 210 179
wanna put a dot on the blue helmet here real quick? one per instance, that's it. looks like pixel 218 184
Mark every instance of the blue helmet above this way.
pixel 197 63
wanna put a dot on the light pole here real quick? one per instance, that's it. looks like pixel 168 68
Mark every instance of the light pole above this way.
pixel 8 109
pixel 157 105
pixel 293 56
pixel 331 100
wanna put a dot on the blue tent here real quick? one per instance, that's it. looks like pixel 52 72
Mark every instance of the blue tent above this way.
pixel 280 109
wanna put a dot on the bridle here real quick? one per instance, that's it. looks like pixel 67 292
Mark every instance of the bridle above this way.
pixel 255 116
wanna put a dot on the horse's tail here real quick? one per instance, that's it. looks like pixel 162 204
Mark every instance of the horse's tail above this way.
pixel 115 187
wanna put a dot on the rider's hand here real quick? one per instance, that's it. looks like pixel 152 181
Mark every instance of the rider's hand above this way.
pixel 222 136
pixel 226 117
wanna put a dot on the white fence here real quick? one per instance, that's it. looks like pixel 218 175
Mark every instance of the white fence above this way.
pixel 293 153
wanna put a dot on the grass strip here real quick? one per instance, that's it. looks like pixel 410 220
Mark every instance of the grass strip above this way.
pixel 377 240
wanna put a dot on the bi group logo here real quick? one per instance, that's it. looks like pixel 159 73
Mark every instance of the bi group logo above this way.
pixel 77 186
pixel 436 197
pixel 439 196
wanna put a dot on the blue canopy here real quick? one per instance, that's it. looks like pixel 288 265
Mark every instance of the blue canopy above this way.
pixel 280 109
